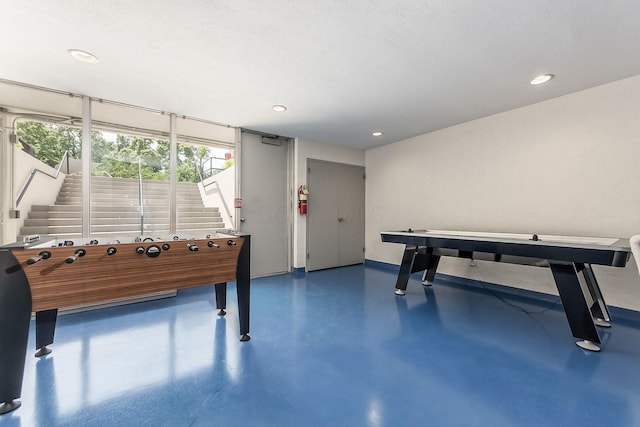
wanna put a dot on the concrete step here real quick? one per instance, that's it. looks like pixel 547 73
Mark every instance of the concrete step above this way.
pixel 200 225
pixel 152 185
pixel 95 180
pixel 52 222
pixel 70 198
pixel 114 202
pixel 183 232
pixel 40 211
pixel 147 220
pixel 200 233
pixel 157 213
pixel 40 218
pixel 115 209
pixel 109 194
pixel 65 230
pixel 130 189
pixel 203 213
pixel 55 211
pixel 127 221
pixel 54 215
pixel 107 228
pixel 196 209
pixel 119 220
pixel 100 208
pixel 112 228
pixel 130 216
pixel 133 194
pixel 126 190
pixel 197 219
pixel 56 208
pixel 45 230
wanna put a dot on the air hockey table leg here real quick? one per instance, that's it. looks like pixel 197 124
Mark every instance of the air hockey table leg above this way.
pixel 425 279
pixel 575 306
pixel 588 345
pixel 429 274
pixel 425 260
pixel 599 310
pixel 405 269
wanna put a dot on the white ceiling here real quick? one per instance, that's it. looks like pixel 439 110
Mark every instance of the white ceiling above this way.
pixel 343 68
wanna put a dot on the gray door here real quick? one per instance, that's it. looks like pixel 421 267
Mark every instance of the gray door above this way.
pixel 264 187
pixel 335 219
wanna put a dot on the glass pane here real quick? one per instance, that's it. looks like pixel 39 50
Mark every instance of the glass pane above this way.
pixel 41 125
pixel 203 173
pixel 130 184
pixel 205 165
pixel 47 161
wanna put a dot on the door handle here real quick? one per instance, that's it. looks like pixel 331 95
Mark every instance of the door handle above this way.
pixel 242 219
pixel 340 219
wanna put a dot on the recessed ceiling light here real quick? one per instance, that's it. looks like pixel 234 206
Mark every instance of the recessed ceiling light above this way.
pixel 542 79
pixel 377 133
pixel 279 108
pixel 83 56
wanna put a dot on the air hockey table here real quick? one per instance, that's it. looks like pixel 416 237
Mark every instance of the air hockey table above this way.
pixel 569 257
pixel 46 275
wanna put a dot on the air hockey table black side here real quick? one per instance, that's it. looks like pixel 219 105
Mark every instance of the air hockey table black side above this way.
pixel 569 263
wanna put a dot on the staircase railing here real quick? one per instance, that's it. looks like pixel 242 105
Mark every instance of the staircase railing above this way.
pixel 206 166
pixel 226 208
pixel 65 157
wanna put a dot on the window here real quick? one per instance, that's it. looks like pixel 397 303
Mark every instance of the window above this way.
pixel 130 170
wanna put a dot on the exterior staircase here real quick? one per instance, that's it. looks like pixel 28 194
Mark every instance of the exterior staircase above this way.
pixel 115 210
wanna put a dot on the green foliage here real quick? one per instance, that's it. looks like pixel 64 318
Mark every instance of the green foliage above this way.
pixel 51 141
pixel 228 163
pixel 190 158
pixel 117 157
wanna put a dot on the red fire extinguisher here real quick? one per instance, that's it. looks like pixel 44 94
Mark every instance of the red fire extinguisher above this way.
pixel 302 199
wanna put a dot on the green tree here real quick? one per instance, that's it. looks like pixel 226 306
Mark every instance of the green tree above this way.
pixel 190 158
pixel 118 157
pixel 50 141
pixel 100 147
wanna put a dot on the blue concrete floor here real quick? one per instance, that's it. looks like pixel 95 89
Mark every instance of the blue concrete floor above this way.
pixel 334 348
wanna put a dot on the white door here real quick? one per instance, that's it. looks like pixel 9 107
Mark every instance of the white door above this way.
pixel 264 188
pixel 335 219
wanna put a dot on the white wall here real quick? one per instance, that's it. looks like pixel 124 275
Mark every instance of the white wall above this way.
pixel 211 197
pixel 565 166
pixel 304 150
pixel 43 189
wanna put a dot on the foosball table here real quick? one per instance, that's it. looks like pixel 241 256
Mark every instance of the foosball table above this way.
pixel 49 274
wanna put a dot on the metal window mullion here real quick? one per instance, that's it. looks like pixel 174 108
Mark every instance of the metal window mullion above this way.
pixel 236 222
pixel 6 172
pixel 173 174
pixel 86 166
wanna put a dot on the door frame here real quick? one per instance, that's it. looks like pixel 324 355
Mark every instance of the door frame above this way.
pixel 289 190
pixel 307 228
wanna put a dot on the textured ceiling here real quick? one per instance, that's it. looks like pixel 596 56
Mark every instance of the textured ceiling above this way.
pixel 343 68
